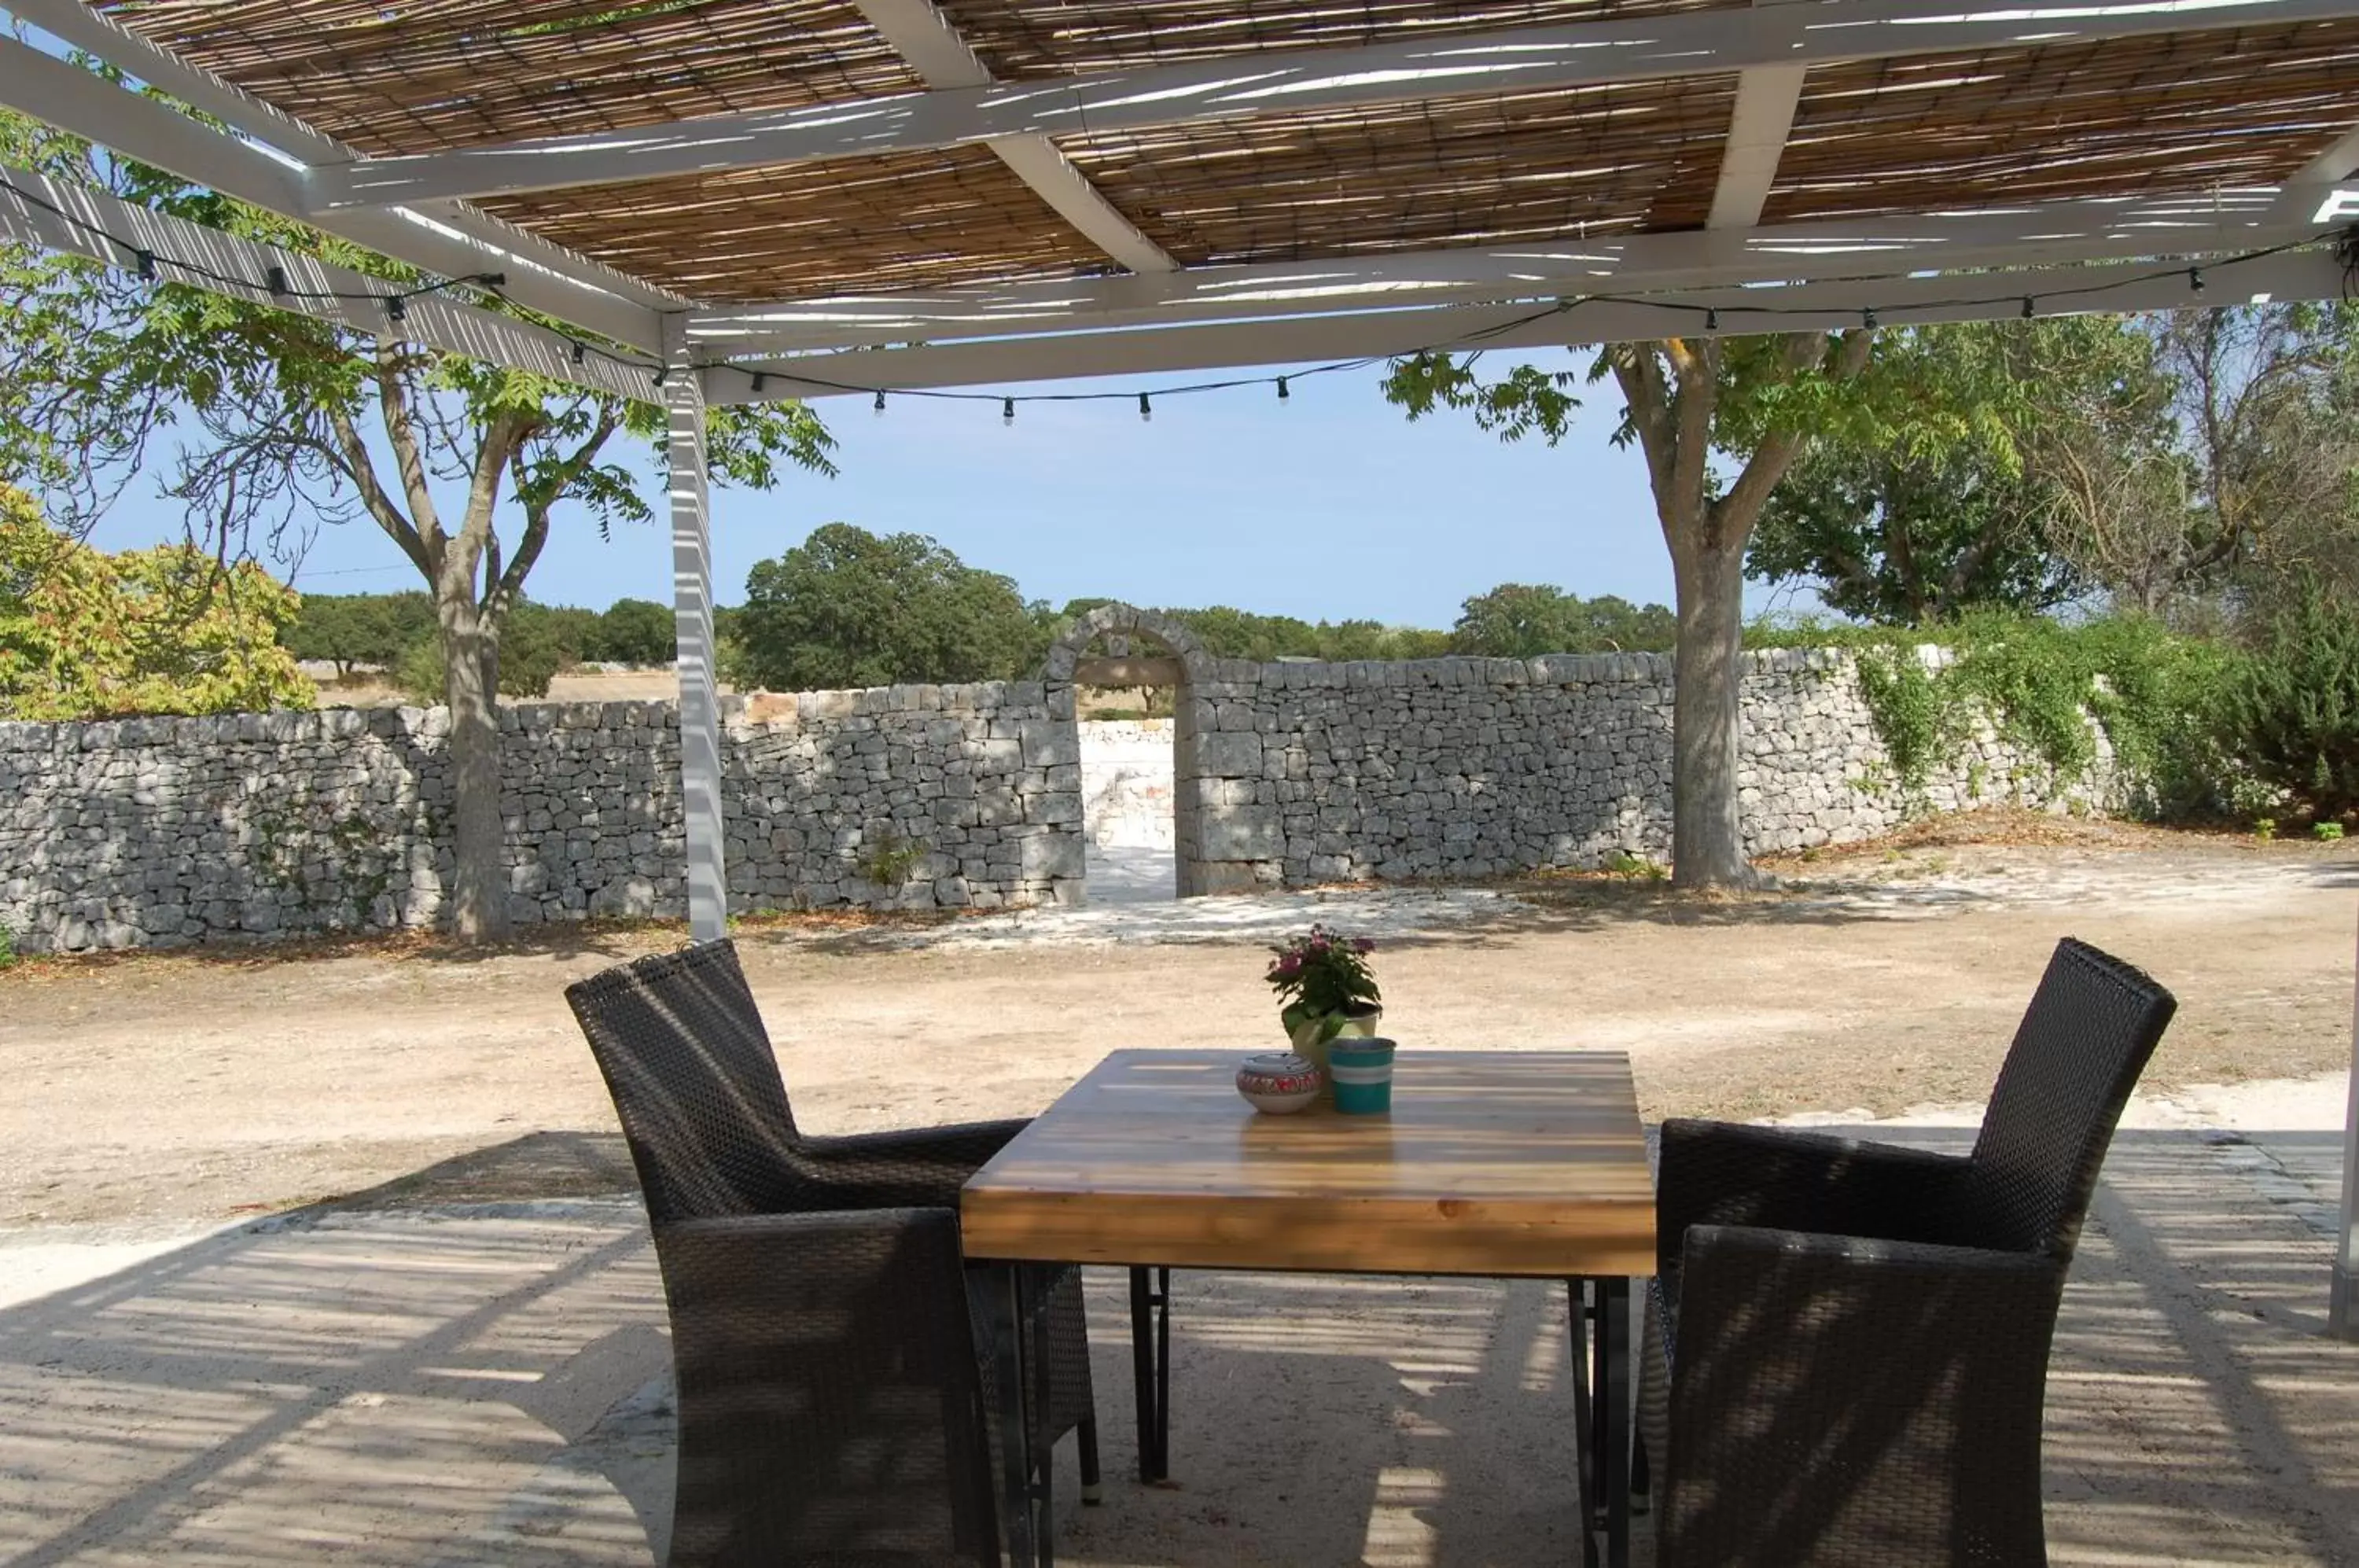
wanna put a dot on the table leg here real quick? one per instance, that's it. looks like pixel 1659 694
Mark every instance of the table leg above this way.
pixel 1015 1417
pixel 1150 1361
pixel 1584 1432
pixel 1613 1400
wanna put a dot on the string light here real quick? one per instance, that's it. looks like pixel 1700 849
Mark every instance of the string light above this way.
pixel 276 280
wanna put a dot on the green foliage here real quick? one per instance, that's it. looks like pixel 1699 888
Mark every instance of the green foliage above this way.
pixel 846 608
pixel 1915 714
pixel 2264 829
pixel 88 635
pixel 1517 620
pixel 2326 833
pixel 1637 868
pixel 1929 510
pixel 349 629
pixel 1322 973
pixel 2291 706
pixel 7 947
pixel 891 859
pixel 635 631
pixel 1228 633
pixel 2156 694
pixel 537 643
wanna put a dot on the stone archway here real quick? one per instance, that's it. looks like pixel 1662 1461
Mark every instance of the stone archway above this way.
pixel 1100 651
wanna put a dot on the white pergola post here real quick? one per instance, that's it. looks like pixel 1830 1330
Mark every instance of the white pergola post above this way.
pixel 2341 1307
pixel 699 695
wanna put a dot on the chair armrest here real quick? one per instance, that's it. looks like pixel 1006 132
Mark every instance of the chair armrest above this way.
pixel 1723 1173
pixel 830 1402
pixel 1854 1399
pixel 924 1168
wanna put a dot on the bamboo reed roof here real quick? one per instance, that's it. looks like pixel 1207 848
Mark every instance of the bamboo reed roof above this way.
pixel 1491 170
pixel 1020 38
pixel 2181 113
pixel 2173 114
pixel 406 76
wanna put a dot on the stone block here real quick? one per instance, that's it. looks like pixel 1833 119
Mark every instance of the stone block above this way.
pixel 1049 744
pixel 1228 754
pixel 1240 832
pixel 1054 853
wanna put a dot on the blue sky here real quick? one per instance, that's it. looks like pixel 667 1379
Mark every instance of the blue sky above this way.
pixel 1331 503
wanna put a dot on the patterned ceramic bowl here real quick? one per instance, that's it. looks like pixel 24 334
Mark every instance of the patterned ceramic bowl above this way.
pixel 1277 1083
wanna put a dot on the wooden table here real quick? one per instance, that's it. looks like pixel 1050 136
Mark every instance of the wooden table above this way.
pixel 1514 1164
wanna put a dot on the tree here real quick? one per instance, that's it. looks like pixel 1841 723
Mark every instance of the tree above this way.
pixel 1518 620
pixel 537 643
pixel 635 631
pixel 846 608
pixel 283 408
pixel 350 629
pixel 1756 401
pixel 1917 529
pixel 2222 459
pixel 86 635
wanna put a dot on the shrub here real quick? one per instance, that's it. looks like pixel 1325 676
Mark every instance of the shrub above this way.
pixel 533 649
pixel 2290 707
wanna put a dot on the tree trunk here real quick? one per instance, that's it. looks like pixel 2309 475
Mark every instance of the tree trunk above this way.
pixel 479 893
pixel 1707 835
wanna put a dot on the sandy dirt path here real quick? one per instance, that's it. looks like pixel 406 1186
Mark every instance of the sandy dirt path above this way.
pixel 171 1089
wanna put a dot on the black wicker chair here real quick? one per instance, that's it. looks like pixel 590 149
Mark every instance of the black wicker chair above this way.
pixel 1855 1336
pixel 834 1397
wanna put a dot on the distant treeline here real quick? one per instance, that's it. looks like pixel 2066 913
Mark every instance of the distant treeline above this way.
pixel 848 608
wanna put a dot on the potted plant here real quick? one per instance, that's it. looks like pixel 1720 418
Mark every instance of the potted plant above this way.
pixel 1327 989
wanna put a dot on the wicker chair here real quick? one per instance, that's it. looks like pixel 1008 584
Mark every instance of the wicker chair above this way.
pixel 835 1392
pixel 1856 1336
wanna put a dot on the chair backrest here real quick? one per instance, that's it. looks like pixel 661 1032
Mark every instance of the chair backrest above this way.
pixel 690 1066
pixel 2083 1041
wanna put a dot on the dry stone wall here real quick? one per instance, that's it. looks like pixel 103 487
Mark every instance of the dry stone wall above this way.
pixel 1469 768
pixel 161 832
pixel 168 832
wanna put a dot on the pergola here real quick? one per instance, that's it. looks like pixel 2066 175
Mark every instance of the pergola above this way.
pixel 736 200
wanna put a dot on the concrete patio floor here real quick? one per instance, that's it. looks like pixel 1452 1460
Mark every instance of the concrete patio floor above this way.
pixel 488 1383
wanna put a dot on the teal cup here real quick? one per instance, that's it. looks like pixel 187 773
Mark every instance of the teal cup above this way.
pixel 1362 1073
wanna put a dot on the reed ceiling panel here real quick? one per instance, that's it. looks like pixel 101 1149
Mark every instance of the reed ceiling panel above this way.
pixel 1046 37
pixel 2179 112
pixel 407 76
pixel 1472 172
pixel 903 220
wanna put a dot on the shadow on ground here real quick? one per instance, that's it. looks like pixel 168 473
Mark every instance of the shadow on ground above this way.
pixel 454 1368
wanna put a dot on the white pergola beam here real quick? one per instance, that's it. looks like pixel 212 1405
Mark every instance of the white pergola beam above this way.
pixel 1688 43
pixel 2228 221
pixel 437 320
pixel 1823 306
pixel 1767 97
pixel 922 36
pixel 443 237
